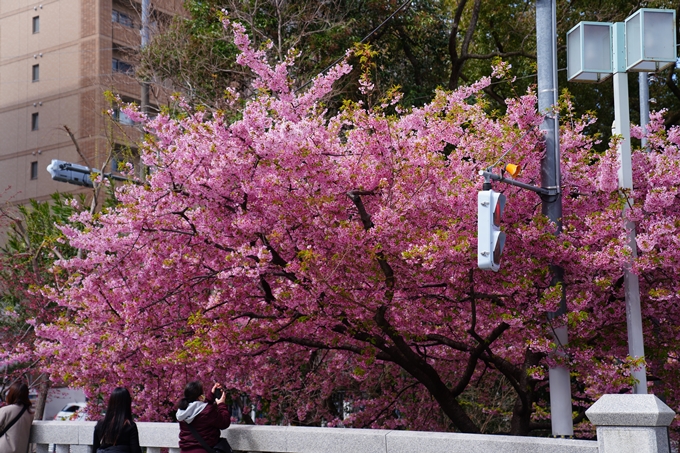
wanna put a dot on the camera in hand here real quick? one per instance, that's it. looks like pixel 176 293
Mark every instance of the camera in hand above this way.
pixel 218 393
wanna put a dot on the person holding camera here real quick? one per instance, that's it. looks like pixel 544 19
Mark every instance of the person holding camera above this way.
pixel 203 415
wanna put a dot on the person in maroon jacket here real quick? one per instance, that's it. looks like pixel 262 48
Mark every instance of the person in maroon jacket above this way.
pixel 207 415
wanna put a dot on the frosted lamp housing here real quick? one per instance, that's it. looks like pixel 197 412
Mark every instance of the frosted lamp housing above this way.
pixel 589 52
pixel 651 41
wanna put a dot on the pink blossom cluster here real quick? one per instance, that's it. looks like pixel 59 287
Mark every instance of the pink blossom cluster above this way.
pixel 306 258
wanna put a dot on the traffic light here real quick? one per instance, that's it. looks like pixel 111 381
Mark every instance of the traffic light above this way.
pixel 490 238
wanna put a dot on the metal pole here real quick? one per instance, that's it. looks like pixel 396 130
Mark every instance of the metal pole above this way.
pixel 631 283
pixel 145 41
pixel 546 48
pixel 643 81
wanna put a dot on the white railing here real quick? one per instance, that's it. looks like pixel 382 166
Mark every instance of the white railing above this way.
pixel 626 423
pixel 76 437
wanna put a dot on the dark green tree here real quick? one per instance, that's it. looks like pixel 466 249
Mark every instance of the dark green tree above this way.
pixel 417 45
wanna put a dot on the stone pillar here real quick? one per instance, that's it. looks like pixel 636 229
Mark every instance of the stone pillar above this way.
pixel 631 423
pixel 81 449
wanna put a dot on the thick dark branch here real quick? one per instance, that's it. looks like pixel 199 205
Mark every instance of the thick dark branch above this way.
pixel 78 150
pixel 403 353
pixel 494 298
pixel 113 310
pixel 453 37
pixel 434 285
pixel 438 297
pixel 168 230
pixel 276 258
pixel 673 119
pixel 378 342
pixel 389 275
pixel 183 215
pixel 415 64
pixel 493 95
pixel 475 355
pixel 473 302
pixel 488 90
pixel 474 17
pixel 369 423
pixel 494 34
pixel 266 289
pixel 490 55
pixel 321 345
pixel 442 340
pixel 253 315
pixel 671 83
pixel 219 247
pixel 355 196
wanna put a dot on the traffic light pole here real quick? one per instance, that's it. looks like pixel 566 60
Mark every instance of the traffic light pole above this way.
pixel 546 55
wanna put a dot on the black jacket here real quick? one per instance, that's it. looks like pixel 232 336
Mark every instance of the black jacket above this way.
pixel 127 440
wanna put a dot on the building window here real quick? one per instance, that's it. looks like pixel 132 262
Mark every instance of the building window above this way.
pixel 121 18
pixel 34 170
pixel 123 155
pixel 36 72
pixel 121 66
pixel 36 24
pixel 122 118
pixel 34 121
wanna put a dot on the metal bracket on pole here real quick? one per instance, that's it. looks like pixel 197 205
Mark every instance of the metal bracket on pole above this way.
pixel 75 168
pixel 487 180
pixel 541 191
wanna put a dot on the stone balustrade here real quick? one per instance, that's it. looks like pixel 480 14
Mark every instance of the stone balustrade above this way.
pixel 76 437
pixel 625 424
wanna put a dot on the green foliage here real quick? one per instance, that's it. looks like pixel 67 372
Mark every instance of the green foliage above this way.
pixel 422 47
pixel 32 244
pixel 194 54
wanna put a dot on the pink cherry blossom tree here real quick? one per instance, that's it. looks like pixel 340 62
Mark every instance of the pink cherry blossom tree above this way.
pixel 325 264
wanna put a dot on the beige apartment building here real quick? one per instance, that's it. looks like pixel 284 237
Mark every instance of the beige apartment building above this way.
pixel 57 59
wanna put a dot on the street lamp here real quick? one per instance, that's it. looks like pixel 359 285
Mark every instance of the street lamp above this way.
pixel 589 52
pixel 650 40
pixel 646 41
pixel 79 175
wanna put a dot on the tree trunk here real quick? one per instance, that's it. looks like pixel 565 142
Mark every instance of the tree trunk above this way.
pixel 520 424
pixel 42 399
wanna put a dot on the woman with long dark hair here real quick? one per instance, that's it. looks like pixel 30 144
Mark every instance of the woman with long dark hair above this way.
pixel 16 419
pixel 200 415
pixel 117 433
